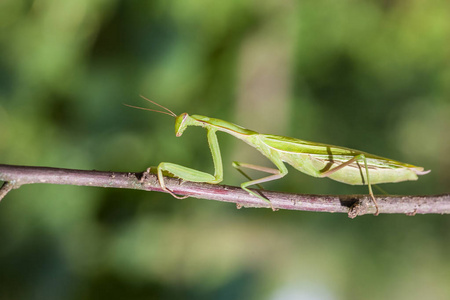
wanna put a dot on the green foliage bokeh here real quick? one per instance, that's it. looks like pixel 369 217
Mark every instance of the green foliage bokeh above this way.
pixel 370 75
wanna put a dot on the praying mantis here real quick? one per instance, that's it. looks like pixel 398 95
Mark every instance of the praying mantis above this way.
pixel 342 164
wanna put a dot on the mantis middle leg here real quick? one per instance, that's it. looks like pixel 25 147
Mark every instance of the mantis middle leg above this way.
pixel 277 174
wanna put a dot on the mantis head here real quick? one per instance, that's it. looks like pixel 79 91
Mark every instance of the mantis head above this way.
pixel 181 122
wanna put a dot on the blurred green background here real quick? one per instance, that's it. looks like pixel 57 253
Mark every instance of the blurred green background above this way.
pixel 370 75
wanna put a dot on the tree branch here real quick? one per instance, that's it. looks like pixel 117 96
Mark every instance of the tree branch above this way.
pixel 353 205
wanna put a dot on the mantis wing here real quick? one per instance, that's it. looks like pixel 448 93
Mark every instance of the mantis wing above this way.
pixel 317 158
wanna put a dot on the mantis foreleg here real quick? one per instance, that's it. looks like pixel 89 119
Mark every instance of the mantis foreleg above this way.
pixel 190 174
pixel 349 162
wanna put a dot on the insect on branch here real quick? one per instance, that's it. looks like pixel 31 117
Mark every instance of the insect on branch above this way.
pixel 354 205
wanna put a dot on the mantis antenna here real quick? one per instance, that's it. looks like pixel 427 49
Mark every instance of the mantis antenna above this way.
pixel 167 112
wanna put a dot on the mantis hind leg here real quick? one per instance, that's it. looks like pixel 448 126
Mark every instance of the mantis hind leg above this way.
pixel 349 162
pixel 277 174
pixel 381 190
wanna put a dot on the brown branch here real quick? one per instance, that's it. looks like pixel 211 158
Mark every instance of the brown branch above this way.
pixel 354 205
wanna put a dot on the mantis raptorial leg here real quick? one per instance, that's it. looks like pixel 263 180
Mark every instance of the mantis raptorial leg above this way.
pixel 190 174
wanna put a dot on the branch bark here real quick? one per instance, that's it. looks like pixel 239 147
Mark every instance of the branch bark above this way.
pixel 353 205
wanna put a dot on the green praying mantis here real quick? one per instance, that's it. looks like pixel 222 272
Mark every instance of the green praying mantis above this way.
pixel 315 159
